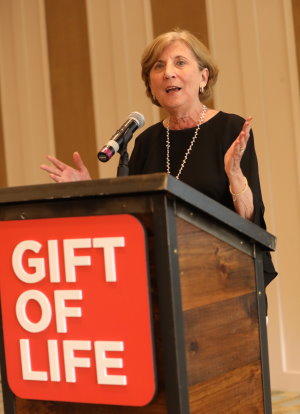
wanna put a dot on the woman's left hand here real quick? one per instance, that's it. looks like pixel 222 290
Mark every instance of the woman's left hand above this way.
pixel 234 154
pixel 238 185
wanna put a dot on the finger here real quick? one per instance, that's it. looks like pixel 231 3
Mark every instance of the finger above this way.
pixel 59 164
pixel 50 170
pixel 238 152
pixel 242 139
pixel 247 125
pixel 241 143
pixel 55 178
pixel 248 120
pixel 78 161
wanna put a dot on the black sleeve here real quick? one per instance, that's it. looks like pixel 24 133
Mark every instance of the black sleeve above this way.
pixel 249 167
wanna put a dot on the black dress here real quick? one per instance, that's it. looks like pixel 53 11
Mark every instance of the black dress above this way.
pixel 204 169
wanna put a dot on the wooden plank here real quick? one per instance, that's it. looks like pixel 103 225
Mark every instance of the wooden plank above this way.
pixel 221 337
pixel 239 393
pixel 210 270
pixel 157 406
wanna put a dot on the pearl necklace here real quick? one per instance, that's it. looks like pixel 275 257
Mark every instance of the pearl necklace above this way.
pixel 204 109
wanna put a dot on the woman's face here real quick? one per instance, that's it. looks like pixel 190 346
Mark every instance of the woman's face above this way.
pixel 175 78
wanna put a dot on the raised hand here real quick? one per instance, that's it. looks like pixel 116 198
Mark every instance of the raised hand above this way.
pixel 63 173
pixel 234 154
pixel 238 185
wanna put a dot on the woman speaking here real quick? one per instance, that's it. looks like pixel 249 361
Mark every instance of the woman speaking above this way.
pixel 210 150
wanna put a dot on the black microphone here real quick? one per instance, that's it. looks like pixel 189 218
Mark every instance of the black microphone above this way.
pixel 121 136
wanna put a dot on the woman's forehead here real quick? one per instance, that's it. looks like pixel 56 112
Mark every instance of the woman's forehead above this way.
pixel 174 49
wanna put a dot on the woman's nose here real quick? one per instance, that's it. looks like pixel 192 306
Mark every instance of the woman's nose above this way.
pixel 169 72
pixel 168 75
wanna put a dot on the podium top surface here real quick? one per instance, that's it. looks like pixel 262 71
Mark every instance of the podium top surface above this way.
pixel 139 184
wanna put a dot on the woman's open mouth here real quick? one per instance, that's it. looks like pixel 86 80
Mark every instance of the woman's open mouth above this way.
pixel 172 89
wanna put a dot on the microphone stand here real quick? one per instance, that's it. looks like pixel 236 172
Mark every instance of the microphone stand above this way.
pixel 123 167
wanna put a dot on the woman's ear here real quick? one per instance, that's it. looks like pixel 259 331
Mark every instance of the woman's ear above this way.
pixel 204 75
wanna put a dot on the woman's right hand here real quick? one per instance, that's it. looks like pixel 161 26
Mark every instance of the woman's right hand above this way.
pixel 63 173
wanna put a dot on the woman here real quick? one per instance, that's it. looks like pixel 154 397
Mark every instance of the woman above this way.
pixel 210 150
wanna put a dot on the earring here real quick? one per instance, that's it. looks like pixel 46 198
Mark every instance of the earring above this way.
pixel 201 90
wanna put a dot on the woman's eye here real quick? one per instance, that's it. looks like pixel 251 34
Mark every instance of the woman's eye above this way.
pixel 181 62
pixel 158 65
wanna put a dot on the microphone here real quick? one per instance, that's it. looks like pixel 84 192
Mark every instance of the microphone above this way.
pixel 121 136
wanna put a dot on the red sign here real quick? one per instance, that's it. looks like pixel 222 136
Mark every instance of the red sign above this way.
pixel 75 310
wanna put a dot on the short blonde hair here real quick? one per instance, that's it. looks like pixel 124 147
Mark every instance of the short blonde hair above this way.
pixel 200 51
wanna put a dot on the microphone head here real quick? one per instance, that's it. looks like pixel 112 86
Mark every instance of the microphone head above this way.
pixel 138 118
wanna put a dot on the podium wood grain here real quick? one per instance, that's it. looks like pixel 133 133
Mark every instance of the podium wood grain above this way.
pixel 221 324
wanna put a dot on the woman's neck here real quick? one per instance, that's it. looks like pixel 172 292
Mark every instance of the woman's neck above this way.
pixel 176 121
pixel 184 120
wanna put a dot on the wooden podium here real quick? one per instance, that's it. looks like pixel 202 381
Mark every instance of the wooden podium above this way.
pixel 206 289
